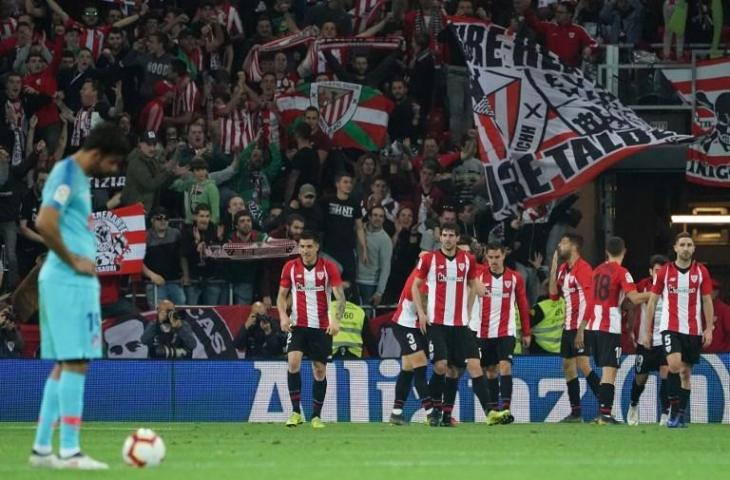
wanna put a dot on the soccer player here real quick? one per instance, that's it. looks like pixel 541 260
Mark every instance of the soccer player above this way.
pixel 653 359
pixel 573 281
pixel 69 294
pixel 611 282
pixel 311 280
pixel 411 336
pixel 449 273
pixel 495 327
pixel 685 288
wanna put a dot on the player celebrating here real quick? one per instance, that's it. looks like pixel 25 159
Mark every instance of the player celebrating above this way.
pixel 311 280
pixel 449 273
pixel 69 293
pixel 685 288
pixel 411 336
pixel 495 327
pixel 653 359
pixel 573 281
pixel 610 282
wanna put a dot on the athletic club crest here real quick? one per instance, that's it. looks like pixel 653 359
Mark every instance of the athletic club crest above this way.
pixel 508 283
pixel 461 266
pixel 693 278
pixel 320 275
pixel 111 241
pixel 337 103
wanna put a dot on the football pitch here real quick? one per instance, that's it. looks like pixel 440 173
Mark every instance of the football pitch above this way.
pixel 379 451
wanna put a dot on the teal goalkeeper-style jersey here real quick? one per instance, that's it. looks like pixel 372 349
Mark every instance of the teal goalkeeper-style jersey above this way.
pixel 67 190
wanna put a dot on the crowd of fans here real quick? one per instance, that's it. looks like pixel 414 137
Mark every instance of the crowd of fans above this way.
pixel 213 163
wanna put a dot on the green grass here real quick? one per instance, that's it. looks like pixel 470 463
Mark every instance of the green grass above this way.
pixel 216 451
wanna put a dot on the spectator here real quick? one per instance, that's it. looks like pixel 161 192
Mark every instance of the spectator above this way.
pixel 380 196
pixel 306 206
pixel 30 243
pixel 150 119
pixel 568 41
pixel 169 337
pixel 291 230
pixel 198 190
pixel 422 73
pixel 320 141
pixel 163 261
pixel 11 192
pixel 428 197
pixel 366 170
pixel 154 64
pixel 330 11
pixel 187 97
pixel 373 276
pixel 200 274
pixel 258 167
pixel 673 28
pixel 227 225
pixel 624 20
pixel 11 341
pixel 342 225
pixel 146 173
pixel 406 241
pixel 242 275
pixel 404 120
pixel 260 336
pixel 305 162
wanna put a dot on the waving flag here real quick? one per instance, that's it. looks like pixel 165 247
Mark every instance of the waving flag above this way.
pixel 353 116
pixel 120 240
pixel 708 161
pixel 543 129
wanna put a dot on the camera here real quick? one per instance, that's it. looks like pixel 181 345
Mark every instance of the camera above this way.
pixel 166 323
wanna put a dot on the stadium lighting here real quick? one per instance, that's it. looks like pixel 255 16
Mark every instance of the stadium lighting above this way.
pixel 701 219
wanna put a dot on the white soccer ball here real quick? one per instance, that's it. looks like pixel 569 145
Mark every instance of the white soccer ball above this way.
pixel 143 448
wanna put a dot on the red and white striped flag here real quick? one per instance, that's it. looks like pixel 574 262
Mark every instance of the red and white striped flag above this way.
pixel 120 240
pixel 365 14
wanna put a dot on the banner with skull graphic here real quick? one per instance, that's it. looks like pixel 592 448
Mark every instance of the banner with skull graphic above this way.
pixel 120 240
pixel 544 130
pixel 708 160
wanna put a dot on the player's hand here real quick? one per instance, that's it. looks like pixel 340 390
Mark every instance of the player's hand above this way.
pixel 423 322
pixel 554 264
pixel 84 266
pixel 579 340
pixel 707 337
pixel 334 328
pixel 645 341
pixel 633 338
pixel 285 323
pixel 526 341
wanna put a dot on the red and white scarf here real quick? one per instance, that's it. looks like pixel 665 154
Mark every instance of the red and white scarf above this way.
pixel 251 64
pixel 238 129
pixel 85 120
pixel 365 14
pixel 340 48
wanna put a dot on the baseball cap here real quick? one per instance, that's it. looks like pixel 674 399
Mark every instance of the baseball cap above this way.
pixel 149 138
pixel 307 189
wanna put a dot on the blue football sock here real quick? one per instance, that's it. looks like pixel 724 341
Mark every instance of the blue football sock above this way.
pixel 47 418
pixel 71 396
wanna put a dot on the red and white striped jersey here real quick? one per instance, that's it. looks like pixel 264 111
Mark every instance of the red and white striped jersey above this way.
pixel 496 314
pixel 228 17
pixel 574 285
pixel 645 285
pixel 187 98
pixel 150 118
pixel 270 127
pixel 681 291
pixel 237 130
pixel 8 27
pixel 91 38
pixel 447 280
pixel 611 282
pixel 406 314
pixel 311 289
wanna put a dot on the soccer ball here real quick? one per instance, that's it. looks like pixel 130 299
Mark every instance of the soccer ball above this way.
pixel 143 448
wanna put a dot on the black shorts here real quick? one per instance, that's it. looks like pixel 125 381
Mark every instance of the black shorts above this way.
pixel 649 360
pixel 689 346
pixel 605 347
pixel 411 340
pixel 315 343
pixel 495 350
pixel 567 345
pixel 454 344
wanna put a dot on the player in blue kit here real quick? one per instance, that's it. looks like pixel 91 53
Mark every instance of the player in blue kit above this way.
pixel 69 294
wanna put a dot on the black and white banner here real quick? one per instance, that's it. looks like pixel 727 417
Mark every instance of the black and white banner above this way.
pixel 543 129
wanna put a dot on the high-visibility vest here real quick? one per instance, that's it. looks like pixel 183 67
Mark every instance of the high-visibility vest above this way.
pixel 350 335
pixel 549 331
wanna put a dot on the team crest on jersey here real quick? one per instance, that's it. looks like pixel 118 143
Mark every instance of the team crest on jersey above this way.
pixel 320 275
pixel 111 241
pixel 461 266
pixel 693 278
pixel 508 283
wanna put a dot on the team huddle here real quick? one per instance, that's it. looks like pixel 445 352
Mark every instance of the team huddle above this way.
pixel 465 313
